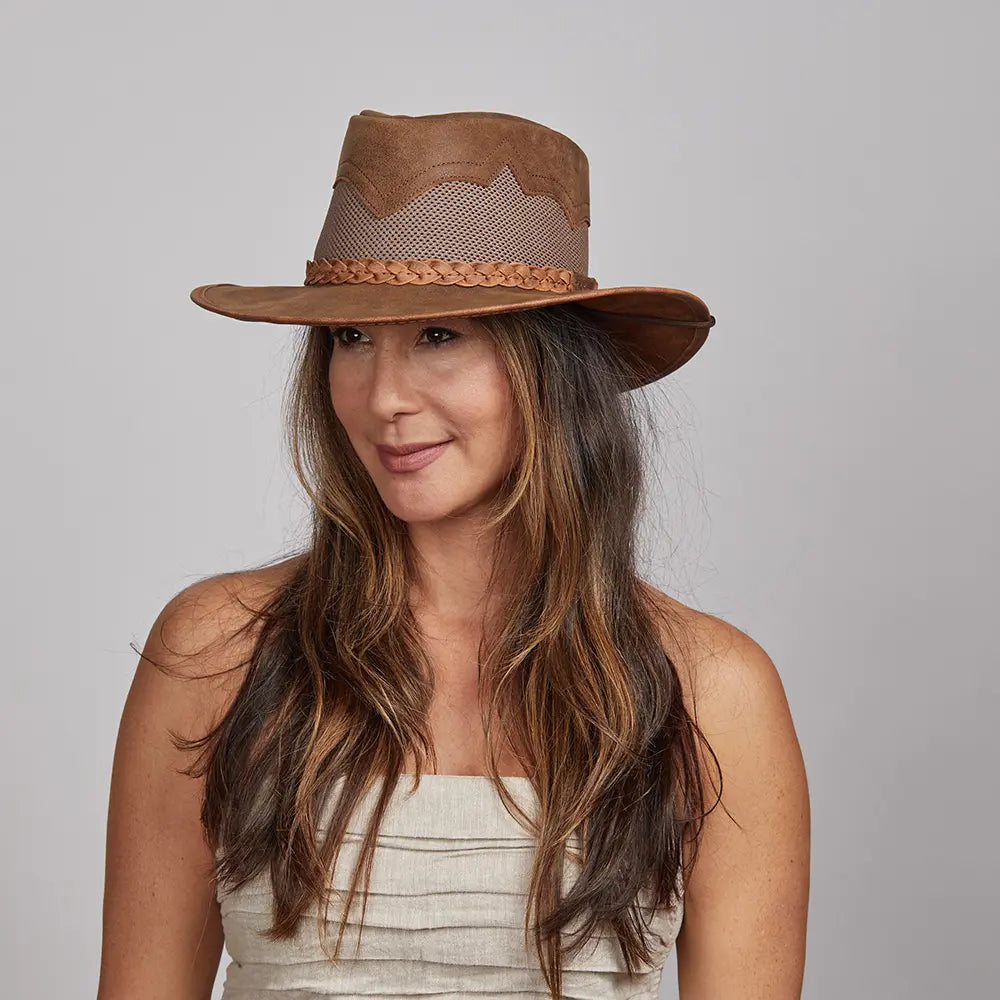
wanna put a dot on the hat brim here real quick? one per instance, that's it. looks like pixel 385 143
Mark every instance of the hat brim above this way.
pixel 665 326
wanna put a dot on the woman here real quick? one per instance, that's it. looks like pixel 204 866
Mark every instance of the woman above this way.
pixel 467 614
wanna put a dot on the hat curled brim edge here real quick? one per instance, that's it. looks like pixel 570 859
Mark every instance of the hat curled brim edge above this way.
pixel 665 326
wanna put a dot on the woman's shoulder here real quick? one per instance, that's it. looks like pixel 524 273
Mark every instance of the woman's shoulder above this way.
pixel 716 661
pixel 206 630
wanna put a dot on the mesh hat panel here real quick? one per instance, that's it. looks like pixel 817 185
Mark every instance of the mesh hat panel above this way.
pixel 457 220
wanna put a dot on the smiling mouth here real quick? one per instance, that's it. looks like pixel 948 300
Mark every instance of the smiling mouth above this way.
pixel 412 460
pixel 408 449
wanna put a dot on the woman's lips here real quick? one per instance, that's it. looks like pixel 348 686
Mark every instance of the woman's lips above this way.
pixel 415 460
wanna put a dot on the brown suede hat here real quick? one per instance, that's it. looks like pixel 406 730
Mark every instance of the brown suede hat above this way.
pixel 464 214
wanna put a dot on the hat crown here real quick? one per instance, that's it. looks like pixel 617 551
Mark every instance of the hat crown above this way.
pixel 463 197
pixel 390 159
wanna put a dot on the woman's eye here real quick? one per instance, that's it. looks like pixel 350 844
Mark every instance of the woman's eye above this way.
pixel 344 329
pixel 449 334
pixel 432 332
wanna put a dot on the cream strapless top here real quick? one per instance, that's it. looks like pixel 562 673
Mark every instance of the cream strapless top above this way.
pixel 445 913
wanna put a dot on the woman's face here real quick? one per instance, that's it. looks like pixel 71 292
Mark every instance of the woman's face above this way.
pixel 436 380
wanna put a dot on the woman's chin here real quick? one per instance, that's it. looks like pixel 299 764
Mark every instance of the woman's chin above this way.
pixel 434 505
pixel 430 507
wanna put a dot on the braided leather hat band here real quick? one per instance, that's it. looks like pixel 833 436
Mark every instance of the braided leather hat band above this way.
pixel 467 274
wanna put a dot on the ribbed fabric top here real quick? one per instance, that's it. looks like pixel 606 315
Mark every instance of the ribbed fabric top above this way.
pixel 445 913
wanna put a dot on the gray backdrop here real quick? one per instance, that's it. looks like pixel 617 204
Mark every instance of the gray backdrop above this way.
pixel 822 174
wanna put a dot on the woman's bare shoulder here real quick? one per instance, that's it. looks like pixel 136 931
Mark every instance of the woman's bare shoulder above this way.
pixel 711 654
pixel 207 625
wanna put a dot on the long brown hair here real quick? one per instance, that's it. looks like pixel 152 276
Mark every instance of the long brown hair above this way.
pixel 577 683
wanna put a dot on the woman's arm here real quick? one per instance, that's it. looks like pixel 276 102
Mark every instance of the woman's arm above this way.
pixel 162 932
pixel 743 935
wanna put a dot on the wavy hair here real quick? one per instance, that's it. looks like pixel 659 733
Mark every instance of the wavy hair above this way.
pixel 575 678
